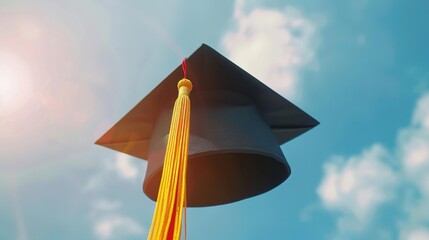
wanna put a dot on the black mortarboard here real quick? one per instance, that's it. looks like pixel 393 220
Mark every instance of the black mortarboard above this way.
pixel 237 127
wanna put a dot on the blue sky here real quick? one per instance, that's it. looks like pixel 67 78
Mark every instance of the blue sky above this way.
pixel 71 69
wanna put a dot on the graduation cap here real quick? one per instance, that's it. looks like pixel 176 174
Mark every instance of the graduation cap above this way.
pixel 237 125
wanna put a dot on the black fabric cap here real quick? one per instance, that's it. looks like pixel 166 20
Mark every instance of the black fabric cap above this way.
pixel 237 127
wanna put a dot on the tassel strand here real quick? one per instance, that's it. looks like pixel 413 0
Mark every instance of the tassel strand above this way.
pixel 171 201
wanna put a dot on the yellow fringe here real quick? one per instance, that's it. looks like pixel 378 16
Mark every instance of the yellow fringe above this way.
pixel 167 219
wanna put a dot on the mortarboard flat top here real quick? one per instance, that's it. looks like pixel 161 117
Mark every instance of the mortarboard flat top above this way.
pixel 209 71
pixel 216 82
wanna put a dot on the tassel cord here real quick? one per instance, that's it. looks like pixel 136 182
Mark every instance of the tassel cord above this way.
pixel 169 212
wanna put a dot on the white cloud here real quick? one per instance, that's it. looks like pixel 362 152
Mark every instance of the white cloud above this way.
pixel 413 151
pixel 417 234
pixel 356 186
pixel 125 167
pixel 122 166
pixel 421 115
pixel 110 223
pixel 107 216
pixel 414 142
pixel 272 45
pixel 109 227
pixel 106 205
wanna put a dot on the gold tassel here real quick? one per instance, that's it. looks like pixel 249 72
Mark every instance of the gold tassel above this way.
pixel 167 219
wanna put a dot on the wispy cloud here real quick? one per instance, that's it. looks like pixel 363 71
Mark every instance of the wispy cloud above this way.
pixel 416 234
pixel 107 228
pixel 357 186
pixel 122 166
pixel 125 167
pixel 108 218
pixel 272 45
pixel 101 205
pixel 110 223
pixel 413 151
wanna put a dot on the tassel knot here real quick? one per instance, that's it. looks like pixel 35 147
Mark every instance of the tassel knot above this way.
pixel 184 86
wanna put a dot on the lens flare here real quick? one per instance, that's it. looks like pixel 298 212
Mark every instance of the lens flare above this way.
pixel 15 84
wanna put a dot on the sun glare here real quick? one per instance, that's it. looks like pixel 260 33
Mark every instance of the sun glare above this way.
pixel 15 84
